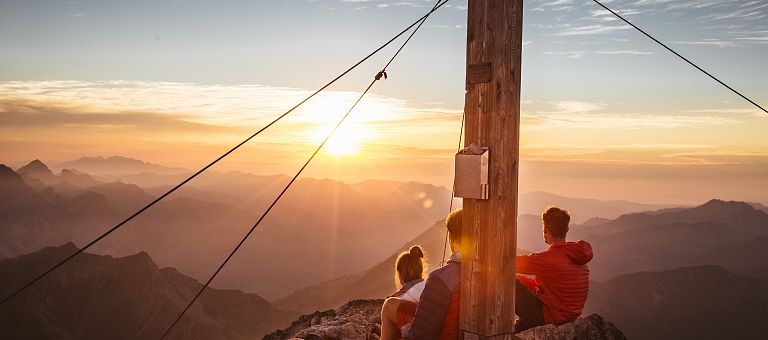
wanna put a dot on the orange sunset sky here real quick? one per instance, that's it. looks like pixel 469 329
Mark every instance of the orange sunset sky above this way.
pixel 605 113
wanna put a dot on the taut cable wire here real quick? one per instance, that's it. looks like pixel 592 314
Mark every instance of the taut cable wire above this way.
pixel 681 57
pixel 296 176
pixel 146 207
pixel 263 215
pixel 453 188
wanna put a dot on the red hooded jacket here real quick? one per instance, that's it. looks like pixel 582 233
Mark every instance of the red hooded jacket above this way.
pixel 561 279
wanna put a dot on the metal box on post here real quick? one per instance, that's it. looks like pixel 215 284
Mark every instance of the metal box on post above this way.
pixel 471 180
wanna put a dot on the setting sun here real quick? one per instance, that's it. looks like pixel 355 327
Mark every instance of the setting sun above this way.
pixel 346 141
pixel 324 113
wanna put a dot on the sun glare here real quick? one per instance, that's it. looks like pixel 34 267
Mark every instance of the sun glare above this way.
pixel 349 139
pixel 346 142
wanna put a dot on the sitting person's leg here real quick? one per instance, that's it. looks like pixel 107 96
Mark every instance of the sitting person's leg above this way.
pixel 528 308
pixel 395 313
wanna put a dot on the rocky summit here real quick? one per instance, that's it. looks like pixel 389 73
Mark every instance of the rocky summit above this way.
pixel 357 319
pixel 360 319
pixel 590 327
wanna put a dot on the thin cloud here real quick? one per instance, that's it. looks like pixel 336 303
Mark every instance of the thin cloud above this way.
pixel 570 115
pixel 756 40
pixel 722 157
pixel 579 54
pixel 555 5
pixel 731 112
pixel 591 29
pixel 726 23
pixel 712 42
pixel 29 114
pixel 203 107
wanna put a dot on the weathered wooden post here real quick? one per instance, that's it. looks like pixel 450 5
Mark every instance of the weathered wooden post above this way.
pixel 492 107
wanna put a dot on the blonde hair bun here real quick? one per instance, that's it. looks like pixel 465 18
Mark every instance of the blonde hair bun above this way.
pixel 416 251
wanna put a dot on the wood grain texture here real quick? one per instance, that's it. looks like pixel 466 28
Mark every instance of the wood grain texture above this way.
pixel 478 73
pixel 494 35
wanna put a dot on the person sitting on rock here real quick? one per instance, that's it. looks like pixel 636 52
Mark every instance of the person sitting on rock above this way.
pixel 436 316
pixel 558 291
pixel 409 272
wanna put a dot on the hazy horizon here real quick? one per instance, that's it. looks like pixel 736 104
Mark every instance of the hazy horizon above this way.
pixel 694 198
pixel 605 113
pixel 663 170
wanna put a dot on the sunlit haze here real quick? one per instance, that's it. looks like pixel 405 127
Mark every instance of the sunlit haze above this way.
pixel 605 112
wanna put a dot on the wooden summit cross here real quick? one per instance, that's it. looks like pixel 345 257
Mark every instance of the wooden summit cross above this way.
pixel 492 108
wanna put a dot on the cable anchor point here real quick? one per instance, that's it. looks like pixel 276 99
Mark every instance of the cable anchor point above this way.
pixel 380 74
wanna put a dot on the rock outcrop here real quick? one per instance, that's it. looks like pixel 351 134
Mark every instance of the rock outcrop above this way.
pixel 590 327
pixel 360 319
pixel 357 319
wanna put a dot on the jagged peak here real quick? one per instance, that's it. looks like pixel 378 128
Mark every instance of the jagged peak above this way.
pixel 35 167
pixel 719 204
pixel 110 158
pixel 72 172
pixel 6 173
pixel 66 248
pixel 115 160
pixel 140 259
pixel 69 246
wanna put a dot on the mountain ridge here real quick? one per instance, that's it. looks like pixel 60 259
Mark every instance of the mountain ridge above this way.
pixel 100 296
pixel 678 302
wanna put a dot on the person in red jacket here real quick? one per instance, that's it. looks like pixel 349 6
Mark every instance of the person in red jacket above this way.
pixel 557 292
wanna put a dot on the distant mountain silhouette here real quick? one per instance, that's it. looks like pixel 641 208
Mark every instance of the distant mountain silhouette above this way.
pixel 377 187
pixel 68 183
pixel 675 238
pixel 739 216
pixel 117 165
pixel 193 192
pixel 374 283
pixel 705 302
pixel 63 188
pixel 32 220
pixel 77 178
pixel 321 230
pixel 594 221
pixel 534 203
pixel 65 212
pixel 759 206
pixel 582 209
pixel 232 186
pixel 125 198
pixel 100 297
pixel 35 169
pixel 15 194
pixel 749 258
pixel 648 241
pixel 529 233
pixel 312 229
